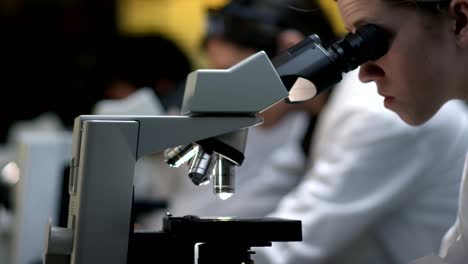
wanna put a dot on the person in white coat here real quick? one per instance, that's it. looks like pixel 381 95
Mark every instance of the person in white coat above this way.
pixel 376 190
pixel 426 66
pixel 362 198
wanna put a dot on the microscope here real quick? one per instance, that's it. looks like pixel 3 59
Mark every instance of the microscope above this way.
pixel 218 107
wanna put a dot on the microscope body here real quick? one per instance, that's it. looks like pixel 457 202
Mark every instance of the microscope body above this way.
pixel 102 169
pixel 219 104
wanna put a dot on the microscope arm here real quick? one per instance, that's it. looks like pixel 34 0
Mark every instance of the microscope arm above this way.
pixel 176 130
pixel 105 152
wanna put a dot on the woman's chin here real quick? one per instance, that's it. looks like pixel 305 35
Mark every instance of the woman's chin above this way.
pixel 414 120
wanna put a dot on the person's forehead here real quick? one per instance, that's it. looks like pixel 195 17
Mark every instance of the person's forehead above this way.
pixel 359 12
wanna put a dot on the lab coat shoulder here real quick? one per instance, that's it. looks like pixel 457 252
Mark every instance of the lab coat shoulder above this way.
pixel 454 248
pixel 356 111
pixel 355 124
pixel 355 116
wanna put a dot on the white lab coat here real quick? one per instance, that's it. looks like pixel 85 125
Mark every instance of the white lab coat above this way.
pixel 378 190
pixel 454 249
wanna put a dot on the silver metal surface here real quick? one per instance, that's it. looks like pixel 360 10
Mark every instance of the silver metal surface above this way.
pixel 180 155
pixel 224 179
pixel 200 172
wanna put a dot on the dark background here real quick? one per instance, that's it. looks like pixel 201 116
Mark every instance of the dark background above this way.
pixel 48 57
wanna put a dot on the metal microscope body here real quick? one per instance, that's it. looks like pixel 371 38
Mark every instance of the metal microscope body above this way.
pixel 106 148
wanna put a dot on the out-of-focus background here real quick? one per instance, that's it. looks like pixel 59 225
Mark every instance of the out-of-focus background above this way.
pixel 63 58
pixel 50 48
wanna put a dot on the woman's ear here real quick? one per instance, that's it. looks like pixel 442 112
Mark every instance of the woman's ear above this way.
pixel 289 38
pixel 459 12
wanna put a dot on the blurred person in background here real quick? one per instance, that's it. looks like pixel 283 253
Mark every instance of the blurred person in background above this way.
pixel 145 75
pixel 233 33
pixel 370 190
pixel 152 60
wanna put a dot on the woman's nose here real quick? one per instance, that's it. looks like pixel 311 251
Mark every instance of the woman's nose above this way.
pixel 370 72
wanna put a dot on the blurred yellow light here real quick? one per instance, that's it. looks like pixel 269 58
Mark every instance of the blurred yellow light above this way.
pixel 180 20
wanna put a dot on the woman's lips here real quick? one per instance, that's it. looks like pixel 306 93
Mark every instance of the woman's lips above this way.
pixel 388 100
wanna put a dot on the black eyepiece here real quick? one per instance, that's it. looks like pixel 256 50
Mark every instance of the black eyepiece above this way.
pixel 368 43
pixel 308 68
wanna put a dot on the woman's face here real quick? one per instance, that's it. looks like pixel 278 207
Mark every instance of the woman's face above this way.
pixel 414 77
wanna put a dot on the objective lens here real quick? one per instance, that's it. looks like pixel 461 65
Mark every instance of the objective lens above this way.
pixel 223 179
pixel 211 169
pixel 179 155
pixel 199 172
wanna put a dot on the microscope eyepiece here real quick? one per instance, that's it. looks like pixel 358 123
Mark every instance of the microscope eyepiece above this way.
pixel 368 43
pixel 308 68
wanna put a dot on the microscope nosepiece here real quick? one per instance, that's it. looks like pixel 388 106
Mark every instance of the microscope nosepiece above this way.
pixel 179 155
pixel 223 179
pixel 200 170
